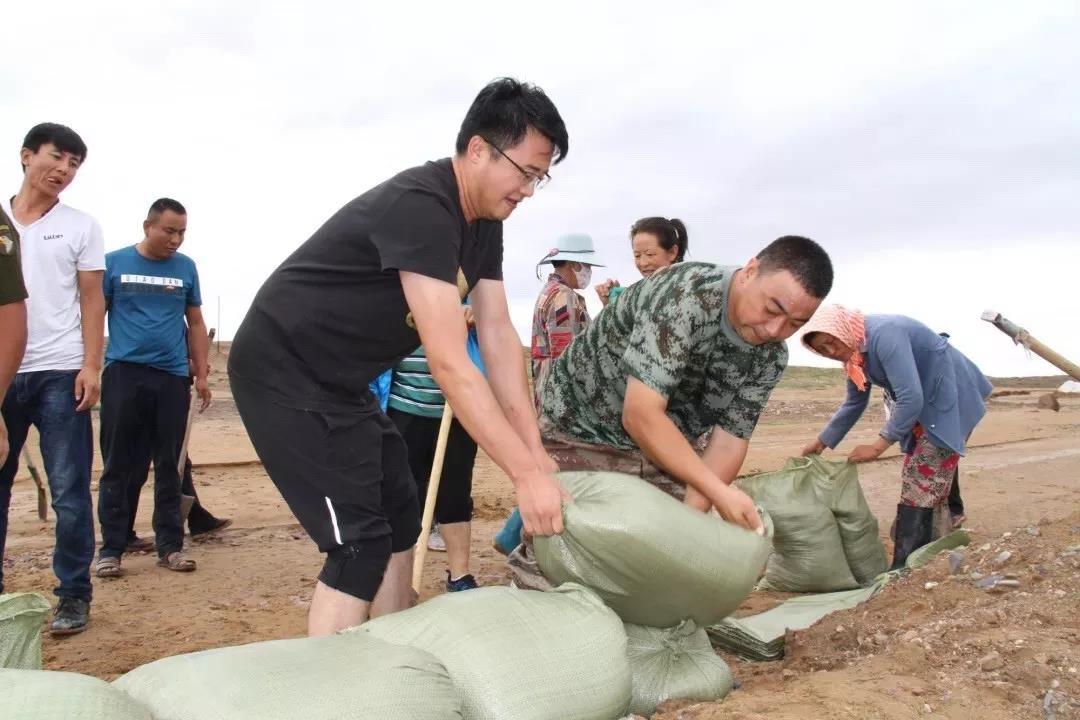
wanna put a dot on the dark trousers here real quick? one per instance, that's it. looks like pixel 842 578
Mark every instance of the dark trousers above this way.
pixel 956 503
pixel 143 413
pixel 46 399
pixel 199 518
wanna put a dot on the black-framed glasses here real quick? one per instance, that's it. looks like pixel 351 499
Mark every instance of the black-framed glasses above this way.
pixel 527 176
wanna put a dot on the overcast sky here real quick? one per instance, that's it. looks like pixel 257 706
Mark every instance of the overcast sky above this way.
pixel 933 149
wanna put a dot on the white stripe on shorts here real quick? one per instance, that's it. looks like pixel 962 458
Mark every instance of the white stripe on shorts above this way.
pixel 333 520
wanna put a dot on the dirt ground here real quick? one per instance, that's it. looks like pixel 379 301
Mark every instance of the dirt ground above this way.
pixel 910 651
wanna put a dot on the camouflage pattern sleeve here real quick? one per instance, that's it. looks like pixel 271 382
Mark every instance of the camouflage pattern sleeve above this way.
pixel 741 416
pixel 661 343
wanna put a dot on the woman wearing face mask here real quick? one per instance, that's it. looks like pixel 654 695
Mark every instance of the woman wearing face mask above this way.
pixel 657 243
pixel 560 312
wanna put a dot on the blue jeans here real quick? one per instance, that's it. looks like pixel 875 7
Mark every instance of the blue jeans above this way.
pixel 46 399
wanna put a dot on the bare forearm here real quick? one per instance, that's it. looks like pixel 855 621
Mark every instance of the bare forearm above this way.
pixel 92 308
pixel 13 329
pixel 199 349
pixel 477 409
pixel 724 455
pixel 509 382
pixel 665 446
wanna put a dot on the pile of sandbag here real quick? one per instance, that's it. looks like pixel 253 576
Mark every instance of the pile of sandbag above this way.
pixel 825 538
pixel 521 654
pixel 638 573
pixel 666 569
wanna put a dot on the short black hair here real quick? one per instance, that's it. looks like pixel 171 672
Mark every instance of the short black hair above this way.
pixel 159 206
pixel 504 111
pixel 64 138
pixel 670 234
pixel 804 259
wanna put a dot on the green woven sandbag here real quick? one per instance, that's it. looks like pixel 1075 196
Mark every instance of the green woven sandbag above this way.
pixel 21 615
pixel 345 677
pixel 838 483
pixel 808 554
pixel 652 559
pixel 46 695
pixel 521 654
pixel 673 664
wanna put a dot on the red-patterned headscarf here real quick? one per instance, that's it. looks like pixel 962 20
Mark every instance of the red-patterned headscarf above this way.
pixel 847 326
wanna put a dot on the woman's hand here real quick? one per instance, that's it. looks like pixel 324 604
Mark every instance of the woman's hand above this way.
pixel 604 289
pixel 814 448
pixel 866 453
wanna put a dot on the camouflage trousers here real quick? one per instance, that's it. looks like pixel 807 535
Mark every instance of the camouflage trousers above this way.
pixel 573 455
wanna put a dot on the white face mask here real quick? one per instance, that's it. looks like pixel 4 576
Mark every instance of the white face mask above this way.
pixel 584 276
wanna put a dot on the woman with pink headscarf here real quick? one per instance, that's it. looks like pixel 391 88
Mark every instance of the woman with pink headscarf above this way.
pixel 937 394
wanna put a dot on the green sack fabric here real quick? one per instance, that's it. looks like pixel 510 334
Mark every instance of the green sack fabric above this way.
pixel 673 664
pixel 826 538
pixel 45 695
pixel 761 637
pixel 652 559
pixel 21 616
pixel 923 555
pixel 521 654
pixel 838 482
pixel 346 677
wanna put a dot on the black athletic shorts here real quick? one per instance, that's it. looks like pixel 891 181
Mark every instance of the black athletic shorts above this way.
pixel 454 502
pixel 345 475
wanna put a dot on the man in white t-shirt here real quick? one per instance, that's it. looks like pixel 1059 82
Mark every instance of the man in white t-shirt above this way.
pixel 63 260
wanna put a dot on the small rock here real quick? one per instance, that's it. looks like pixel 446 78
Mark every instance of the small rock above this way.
pixel 927 709
pixel 1008 583
pixel 1006 536
pixel 985 547
pixel 1003 558
pixel 1033 531
pixel 928 586
pixel 993 661
pixel 987 582
pixel 1055 684
pixel 881 638
pixel 956 561
pixel 839 629
pixel 911 636
pixel 788 674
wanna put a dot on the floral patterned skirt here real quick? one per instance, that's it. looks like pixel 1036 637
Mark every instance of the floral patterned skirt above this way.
pixel 928 473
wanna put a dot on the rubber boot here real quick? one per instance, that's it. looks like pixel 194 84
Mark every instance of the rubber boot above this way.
pixel 914 528
pixel 956 503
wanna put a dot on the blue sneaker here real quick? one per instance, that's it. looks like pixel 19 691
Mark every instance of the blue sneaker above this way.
pixel 465 582
pixel 509 537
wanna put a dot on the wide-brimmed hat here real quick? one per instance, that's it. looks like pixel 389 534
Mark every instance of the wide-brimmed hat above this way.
pixel 575 247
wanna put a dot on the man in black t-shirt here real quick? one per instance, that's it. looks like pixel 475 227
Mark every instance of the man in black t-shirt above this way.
pixel 386 273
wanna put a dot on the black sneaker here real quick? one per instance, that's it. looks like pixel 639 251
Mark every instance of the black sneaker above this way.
pixel 465 582
pixel 70 617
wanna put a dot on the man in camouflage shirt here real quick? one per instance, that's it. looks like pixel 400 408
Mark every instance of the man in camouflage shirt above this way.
pixel 12 318
pixel 694 350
